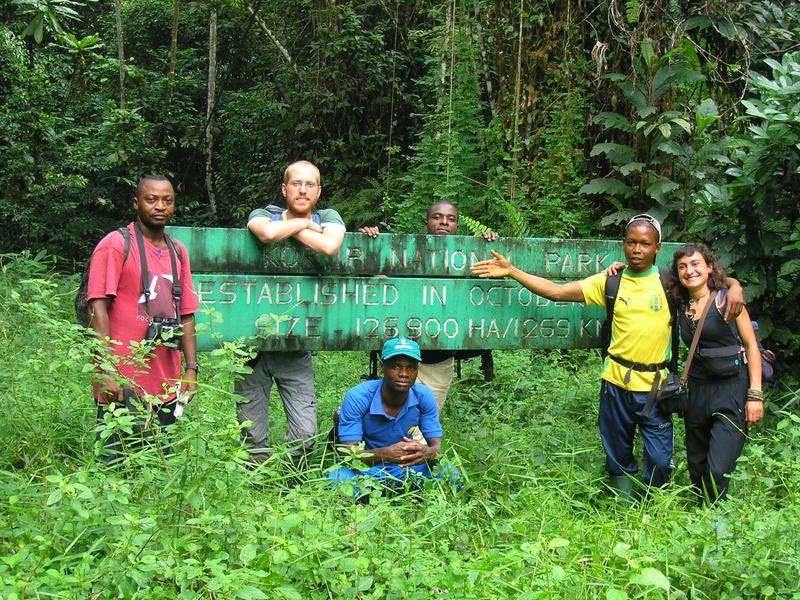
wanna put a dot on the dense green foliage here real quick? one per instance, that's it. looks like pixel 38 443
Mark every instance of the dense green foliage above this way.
pixel 534 519
pixel 539 118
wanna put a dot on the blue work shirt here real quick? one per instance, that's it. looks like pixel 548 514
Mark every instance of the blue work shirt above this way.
pixel 362 416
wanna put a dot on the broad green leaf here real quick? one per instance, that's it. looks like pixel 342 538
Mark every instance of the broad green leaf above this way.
pixel 697 22
pixel 651 577
pixel 660 188
pixel 364 584
pixel 289 593
pixel 683 124
pixel 38 30
pixel 606 185
pixel 249 592
pixel 631 167
pixel 616 594
pixel 671 147
pixel 665 129
pixel 646 111
pixel 648 54
pixel 248 553
pixel 347 564
pixel 612 120
pixel 708 108
pixel 558 543
pixel 790 267
pixel 280 556
pixel 616 153
pixel 727 29
pixel 621 549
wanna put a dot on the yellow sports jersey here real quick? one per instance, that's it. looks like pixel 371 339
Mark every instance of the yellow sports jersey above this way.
pixel 640 331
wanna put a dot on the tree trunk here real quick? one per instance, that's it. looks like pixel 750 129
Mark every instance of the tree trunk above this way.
pixel 486 72
pixel 120 51
pixel 173 48
pixel 212 84
pixel 281 48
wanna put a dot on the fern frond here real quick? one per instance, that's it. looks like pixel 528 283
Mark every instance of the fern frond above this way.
pixel 475 227
pixel 518 223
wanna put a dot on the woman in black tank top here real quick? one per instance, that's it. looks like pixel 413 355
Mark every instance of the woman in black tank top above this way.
pixel 725 394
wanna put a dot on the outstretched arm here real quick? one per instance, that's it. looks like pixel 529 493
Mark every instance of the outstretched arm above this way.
pixel 500 266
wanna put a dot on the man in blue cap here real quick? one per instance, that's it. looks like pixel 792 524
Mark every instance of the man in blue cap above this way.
pixel 395 418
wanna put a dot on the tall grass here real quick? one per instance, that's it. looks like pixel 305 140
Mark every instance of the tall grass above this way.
pixel 533 520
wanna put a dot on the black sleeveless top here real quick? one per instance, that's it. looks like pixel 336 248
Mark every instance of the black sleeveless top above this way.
pixel 716 334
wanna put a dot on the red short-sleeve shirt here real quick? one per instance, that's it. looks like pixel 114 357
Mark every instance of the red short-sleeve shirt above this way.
pixel 110 277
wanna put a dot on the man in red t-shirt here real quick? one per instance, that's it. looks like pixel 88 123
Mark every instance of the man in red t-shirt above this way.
pixel 123 312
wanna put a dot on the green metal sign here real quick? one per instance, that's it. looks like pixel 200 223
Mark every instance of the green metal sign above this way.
pixel 358 313
pixel 281 297
pixel 238 251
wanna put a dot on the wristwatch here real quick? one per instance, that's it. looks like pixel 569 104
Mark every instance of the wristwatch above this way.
pixel 194 366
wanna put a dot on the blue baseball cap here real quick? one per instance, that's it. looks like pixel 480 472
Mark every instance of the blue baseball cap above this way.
pixel 401 347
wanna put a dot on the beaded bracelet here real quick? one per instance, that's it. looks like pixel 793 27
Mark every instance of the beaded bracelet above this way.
pixel 754 395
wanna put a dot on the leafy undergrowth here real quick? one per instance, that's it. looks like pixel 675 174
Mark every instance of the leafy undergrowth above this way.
pixel 533 520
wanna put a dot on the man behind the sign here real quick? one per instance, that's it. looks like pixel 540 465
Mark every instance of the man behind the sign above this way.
pixel 640 347
pixel 436 367
pixel 322 231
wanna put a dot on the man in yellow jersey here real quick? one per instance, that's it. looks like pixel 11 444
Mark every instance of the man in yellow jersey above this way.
pixel 640 346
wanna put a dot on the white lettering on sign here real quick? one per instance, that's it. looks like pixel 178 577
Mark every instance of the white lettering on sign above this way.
pixel 507 295
pixel 286 293
pixel 432 294
pixel 454 261
pixel 484 329
pixel 285 326
pixel 570 263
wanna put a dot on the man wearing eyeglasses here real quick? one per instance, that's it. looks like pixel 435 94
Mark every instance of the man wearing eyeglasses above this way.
pixel 323 232
pixel 640 347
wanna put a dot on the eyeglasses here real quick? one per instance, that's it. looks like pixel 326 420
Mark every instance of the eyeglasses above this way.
pixel 310 185
pixel 647 218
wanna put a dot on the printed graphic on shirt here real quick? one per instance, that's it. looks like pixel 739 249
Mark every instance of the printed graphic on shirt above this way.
pixel 161 302
pixel 655 303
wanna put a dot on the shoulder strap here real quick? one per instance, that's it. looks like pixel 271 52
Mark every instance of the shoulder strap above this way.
pixel 143 267
pixel 274 209
pixel 177 291
pixel 612 289
pixel 126 238
pixel 175 246
pixel 696 337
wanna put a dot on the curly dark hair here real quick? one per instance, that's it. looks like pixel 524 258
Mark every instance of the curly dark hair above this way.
pixel 716 279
